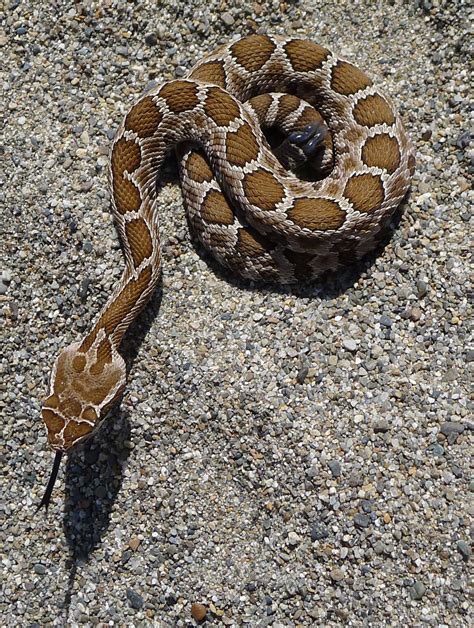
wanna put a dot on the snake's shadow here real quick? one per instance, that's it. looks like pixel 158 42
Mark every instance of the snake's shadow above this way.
pixel 330 285
pixel 94 472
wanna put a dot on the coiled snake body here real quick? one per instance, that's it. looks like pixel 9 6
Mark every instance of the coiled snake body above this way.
pixel 255 216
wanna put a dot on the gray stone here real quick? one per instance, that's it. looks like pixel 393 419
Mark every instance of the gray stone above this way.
pixel 350 344
pixel 335 468
pixel 417 591
pixel 227 18
pixel 361 520
pixel 385 321
pixel 135 599
pixel 40 569
pixel 464 549
pixel 381 425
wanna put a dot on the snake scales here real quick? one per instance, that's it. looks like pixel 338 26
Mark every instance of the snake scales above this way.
pixel 255 216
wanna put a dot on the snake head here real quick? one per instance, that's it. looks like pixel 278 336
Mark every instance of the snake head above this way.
pixel 86 380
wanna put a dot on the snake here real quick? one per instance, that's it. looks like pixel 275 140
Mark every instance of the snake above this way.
pixel 244 199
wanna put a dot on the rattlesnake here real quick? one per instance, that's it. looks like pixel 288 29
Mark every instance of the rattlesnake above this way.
pixel 255 216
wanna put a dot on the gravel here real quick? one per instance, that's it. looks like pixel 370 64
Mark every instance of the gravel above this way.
pixel 280 457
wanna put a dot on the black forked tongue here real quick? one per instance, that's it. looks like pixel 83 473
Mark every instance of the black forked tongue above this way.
pixel 52 479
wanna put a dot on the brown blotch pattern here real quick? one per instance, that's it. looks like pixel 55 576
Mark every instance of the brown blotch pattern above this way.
pixel 70 407
pixel 79 363
pixel 211 72
pixel 263 190
pixel 126 157
pixel 253 52
pixel 89 414
pixel 308 116
pixel 216 210
pixel 252 244
pixel 74 431
pixel 381 151
pixel 242 146
pixel 53 421
pixel 305 55
pixel 287 104
pixel 365 192
pixel 198 169
pixel 51 402
pixel 106 382
pixel 261 104
pixel 319 214
pixel 126 195
pixel 179 95
pixel 346 79
pixel 141 245
pixel 221 107
pixel 124 302
pixel 373 110
pixel 143 118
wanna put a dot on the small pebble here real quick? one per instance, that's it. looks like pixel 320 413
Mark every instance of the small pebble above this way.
pixel 135 599
pixel 227 19
pixel 350 344
pixel 335 468
pixel 337 575
pixel 381 426
pixel 417 591
pixel 39 569
pixel 464 549
pixel 361 520
pixel 198 611
pixel 319 532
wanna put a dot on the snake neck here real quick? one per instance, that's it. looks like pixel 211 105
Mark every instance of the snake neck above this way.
pixel 129 297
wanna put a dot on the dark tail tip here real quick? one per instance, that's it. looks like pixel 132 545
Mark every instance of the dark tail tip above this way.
pixel 52 479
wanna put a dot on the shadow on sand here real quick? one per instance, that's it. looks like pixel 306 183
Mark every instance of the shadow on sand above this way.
pixel 94 472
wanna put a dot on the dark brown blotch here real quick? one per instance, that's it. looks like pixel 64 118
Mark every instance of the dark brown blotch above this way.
pixel 252 243
pixel 139 237
pixel 216 210
pixel 373 110
pixel 242 146
pixel 261 104
pixel 210 72
pixel 143 118
pixel 381 151
pixel 179 95
pixel 317 214
pixel 253 52
pixel 365 192
pixel 305 55
pixel 126 157
pixel 347 79
pixel 197 168
pixel 221 107
pixel 263 189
